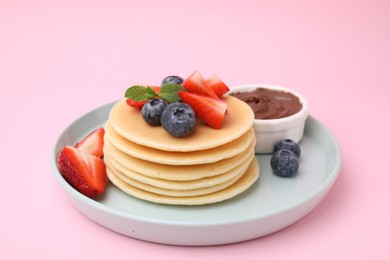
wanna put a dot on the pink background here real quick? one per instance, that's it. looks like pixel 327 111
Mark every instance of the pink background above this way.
pixel 61 59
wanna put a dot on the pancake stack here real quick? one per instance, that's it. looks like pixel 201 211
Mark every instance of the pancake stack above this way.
pixel 207 166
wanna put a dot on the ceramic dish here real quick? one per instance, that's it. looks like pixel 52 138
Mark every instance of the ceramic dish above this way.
pixel 271 131
pixel 271 204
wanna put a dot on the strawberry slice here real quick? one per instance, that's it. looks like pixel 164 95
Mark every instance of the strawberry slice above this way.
pixel 140 104
pixel 209 110
pixel 136 104
pixel 93 143
pixel 217 85
pixel 83 171
pixel 196 84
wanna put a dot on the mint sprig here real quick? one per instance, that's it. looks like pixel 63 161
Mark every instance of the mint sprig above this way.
pixel 168 92
pixel 140 93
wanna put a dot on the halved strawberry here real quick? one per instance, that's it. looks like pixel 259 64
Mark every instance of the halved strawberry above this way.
pixel 136 104
pixel 217 85
pixel 93 143
pixel 140 104
pixel 83 171
pixel 197 85
pixel 209 110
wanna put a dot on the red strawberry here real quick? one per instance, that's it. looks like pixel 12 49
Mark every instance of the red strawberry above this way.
pixel 197 85
pixel 140 104
pixel 209 110
pixel 93 143
pixel 217 85
pixel 83 171
pixel 136 104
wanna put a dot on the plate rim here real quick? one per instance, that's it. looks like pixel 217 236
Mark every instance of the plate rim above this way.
pixel 326 184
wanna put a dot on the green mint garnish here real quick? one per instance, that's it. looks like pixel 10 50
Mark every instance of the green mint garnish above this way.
pixel 140 93
pixel 168 92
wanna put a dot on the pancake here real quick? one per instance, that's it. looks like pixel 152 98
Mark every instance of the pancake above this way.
pixel 241 185
pixel 128 123
pixel 174 193
pixel 215 154
pixel 178 185
pixel 175 172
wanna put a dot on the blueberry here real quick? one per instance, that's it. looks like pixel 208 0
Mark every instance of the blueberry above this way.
pixel 178 119
pixel 288 144
pixel 284 163
pixel 152 111
pixel 172 80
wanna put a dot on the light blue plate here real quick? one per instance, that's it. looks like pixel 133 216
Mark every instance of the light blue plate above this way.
pixel 271 204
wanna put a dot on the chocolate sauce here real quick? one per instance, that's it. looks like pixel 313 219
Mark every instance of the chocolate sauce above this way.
pixel 270 104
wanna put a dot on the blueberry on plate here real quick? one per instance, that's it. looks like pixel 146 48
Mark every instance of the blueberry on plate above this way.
pixel 172 80
pixel 152 111
pixel 178 119
pixel 288 144
pixel 284 163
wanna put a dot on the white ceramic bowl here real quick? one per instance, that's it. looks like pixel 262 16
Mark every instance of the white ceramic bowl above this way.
pixel 270 131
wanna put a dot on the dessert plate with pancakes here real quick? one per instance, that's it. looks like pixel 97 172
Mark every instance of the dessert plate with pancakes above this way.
pixel 211 190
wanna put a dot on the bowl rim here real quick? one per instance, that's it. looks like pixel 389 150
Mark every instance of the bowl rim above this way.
pixel 301 114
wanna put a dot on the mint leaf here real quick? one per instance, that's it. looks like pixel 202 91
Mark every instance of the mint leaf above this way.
pixel 168 92
pixel 140 93
pixel 150 93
